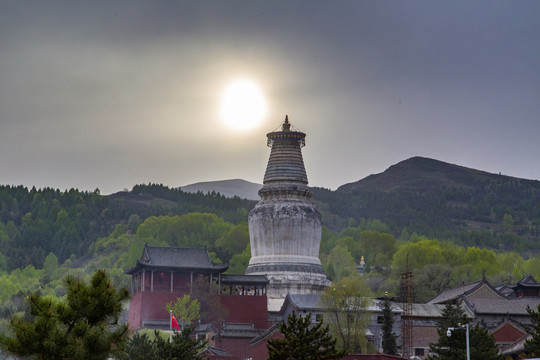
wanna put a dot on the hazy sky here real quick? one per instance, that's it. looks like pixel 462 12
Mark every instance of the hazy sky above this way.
pixel 109 94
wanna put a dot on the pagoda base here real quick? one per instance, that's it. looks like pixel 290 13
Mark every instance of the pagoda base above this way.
pixel 291 278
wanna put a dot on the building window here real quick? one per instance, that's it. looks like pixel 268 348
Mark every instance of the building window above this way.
pixel 319 317
pixel 380 319
pixel 419 351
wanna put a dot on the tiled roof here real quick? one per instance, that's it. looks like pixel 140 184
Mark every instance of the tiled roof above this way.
pixel 479 289
pixel 505 289
pixel 511 307
pixel 268 333
pixel 215 351
pixel 517 347
pixel 420 310
pixel 311 302
pixel 376 306
pixel 304 301
pixel 175 257
pixel 450 294
pixel 240 330
pixel 526 281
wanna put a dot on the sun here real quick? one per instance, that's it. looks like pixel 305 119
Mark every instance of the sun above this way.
pixel 243 105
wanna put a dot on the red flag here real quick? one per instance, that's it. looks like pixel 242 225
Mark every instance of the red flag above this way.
pixel 174 323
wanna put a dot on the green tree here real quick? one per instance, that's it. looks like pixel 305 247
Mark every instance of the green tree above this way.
pixel 239 262
pixel 50 266
pixel 139 347
pixel 185 310
pixel 133 223
pixel 417 254
pixel 481 342
pixel 182 347
pixel 302 341
pixel 232 241
pixel 431 279
pixel 532 346
pixel 340 263
pixel 82 326
pixel 388 337
pixel 484 261
pixel 347 301
pixel 508 221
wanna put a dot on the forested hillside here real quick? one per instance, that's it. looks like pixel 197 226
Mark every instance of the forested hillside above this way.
pixel 453 224
pixel 34 223
pixel 436 199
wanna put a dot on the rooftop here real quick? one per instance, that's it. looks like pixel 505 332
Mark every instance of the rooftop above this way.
pixel 176 258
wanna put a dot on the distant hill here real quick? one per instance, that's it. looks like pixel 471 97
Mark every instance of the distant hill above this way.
pixel 228 188
pixel 442 200
pixel 423 175
pixel 419 195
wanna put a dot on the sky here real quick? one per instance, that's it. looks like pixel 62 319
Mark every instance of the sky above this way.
pixel 110 94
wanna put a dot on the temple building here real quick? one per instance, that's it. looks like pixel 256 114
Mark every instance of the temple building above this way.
pixel 285 226
pixel 163 274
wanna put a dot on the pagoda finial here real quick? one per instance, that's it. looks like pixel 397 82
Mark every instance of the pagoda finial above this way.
pixel 286 125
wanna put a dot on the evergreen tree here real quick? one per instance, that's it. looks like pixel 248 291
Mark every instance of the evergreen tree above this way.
pixel 303 341
pixel 139 347
pixel 82 326
pixel 481 343
pixel 532 346
pixel 388 337
pixel 182 347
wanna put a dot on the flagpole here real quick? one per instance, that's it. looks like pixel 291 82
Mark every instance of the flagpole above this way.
pixel 170 326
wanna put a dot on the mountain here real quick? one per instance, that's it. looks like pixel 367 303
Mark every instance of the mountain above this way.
pixel 228 188
pixel 423 175
pixel 441 200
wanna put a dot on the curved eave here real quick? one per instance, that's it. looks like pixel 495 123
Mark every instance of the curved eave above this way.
pixel 524 286
pixel 142 266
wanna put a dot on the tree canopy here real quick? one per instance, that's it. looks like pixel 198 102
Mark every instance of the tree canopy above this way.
pixel 84 325
pixel 182 347
pixel 302 341
pixel 185 309
pixel 347 301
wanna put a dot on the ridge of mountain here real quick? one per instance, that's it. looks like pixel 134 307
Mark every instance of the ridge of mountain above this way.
pixel 448 201
pixel 228 188
pixel 420 174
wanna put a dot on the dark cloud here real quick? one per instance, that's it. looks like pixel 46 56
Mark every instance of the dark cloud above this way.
pixel 109 94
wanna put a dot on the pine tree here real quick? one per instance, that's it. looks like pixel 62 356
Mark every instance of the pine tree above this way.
pixel 302 342
pixel 182 347
pixel 388 338
pixel 532 346
pixel 82 326
pixel 139 347
pixel 481 343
